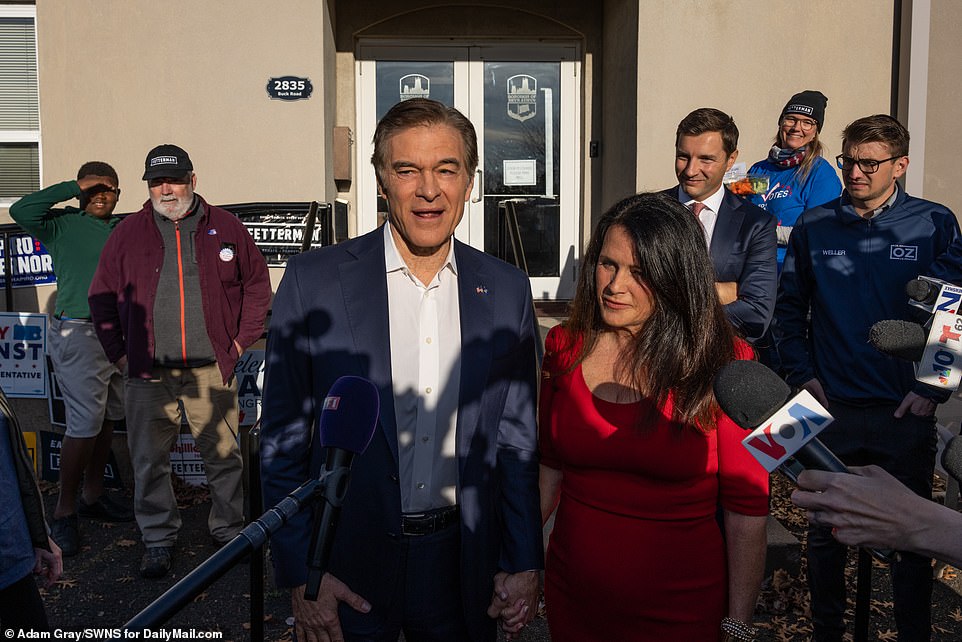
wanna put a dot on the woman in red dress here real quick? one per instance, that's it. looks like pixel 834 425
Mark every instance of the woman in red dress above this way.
pixel 636 455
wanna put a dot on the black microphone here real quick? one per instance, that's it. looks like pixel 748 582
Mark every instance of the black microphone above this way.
pixel 936 350
pixel 348 420
pixel 952 457
pixel 751 394
pixel 929 295
pixel 899 339
pixel 923 290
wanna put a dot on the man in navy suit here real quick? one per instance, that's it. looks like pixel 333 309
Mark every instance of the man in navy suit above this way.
pixel 740 236
pixel 441 527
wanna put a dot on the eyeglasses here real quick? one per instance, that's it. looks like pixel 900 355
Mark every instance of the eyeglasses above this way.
pixel 804 123
pixel 867 165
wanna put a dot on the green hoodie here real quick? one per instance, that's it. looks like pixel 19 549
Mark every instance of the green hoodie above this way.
pixel 73 238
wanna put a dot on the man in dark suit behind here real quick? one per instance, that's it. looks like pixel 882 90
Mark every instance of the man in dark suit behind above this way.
pixel 441 529
pixel 740 236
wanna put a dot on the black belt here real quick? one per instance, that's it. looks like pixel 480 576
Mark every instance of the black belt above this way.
pixel 63 317
pixel 418 524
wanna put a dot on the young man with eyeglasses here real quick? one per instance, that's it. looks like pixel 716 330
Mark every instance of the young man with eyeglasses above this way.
pixel 92 387
pixel 847 265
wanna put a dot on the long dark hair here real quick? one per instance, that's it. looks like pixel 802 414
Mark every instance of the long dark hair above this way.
pixel 687 339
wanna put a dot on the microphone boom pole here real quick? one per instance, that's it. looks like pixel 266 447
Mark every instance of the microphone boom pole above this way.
pixel 252 538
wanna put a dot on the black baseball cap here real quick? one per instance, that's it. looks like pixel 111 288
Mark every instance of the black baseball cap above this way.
pixel 167 161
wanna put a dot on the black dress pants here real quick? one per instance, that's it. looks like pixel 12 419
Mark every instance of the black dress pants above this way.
pixel 426 597
pixel 906 448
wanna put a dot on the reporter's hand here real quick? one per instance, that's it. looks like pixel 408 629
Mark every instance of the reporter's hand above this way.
pixel 318 621
pixel 868 507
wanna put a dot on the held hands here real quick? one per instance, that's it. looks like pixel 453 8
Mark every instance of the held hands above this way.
pixel 318 621
pixel 514 601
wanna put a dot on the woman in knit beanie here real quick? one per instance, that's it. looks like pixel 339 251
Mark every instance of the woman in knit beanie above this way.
pixel 798 177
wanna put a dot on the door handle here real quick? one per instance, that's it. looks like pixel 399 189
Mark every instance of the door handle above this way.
pixel 479 184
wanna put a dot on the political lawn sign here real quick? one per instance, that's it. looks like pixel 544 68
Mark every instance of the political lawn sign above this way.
pixel 30 262
pixel 23 366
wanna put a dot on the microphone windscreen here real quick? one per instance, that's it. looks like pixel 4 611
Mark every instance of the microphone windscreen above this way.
pixel 749 392
pixel 921 291
pixel 952 458
pixel 350 413
pixel 899 339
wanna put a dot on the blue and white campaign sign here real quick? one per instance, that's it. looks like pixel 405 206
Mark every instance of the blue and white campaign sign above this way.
pixel 23 365
pixel 249 372
pixel 30 262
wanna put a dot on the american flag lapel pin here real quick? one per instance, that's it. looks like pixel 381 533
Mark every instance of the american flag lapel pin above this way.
pixel 481 289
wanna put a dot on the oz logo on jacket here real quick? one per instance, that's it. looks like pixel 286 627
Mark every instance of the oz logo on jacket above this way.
pixel 903 252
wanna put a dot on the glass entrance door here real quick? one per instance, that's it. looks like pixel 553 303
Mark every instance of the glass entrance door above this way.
pixel 524 104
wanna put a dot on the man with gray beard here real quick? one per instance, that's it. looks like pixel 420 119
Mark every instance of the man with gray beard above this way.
pixel 179 293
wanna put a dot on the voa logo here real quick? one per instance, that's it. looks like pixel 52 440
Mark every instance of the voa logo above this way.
pixel 903 252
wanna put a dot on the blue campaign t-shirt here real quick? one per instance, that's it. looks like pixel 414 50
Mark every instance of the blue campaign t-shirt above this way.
pixel 16 549
pixel 786 199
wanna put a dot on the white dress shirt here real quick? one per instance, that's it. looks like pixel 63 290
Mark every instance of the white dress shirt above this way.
pixel 425 326
pixel 709 215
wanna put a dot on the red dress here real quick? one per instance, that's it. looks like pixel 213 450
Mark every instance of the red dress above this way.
pixel 636 553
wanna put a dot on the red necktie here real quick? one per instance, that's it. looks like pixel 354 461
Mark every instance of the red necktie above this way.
pixel 696 209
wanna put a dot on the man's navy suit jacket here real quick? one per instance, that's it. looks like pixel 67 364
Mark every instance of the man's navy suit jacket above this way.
pixel 330 319
pixel 743 250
